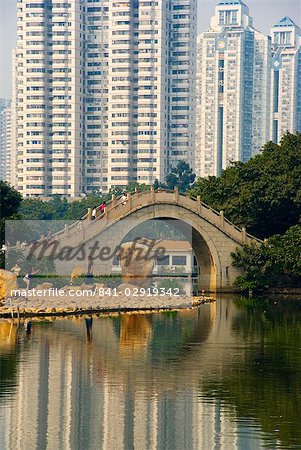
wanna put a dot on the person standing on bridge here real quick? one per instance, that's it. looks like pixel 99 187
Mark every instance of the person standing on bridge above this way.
pixel 123 198
pixel 102 208
pixel 94 212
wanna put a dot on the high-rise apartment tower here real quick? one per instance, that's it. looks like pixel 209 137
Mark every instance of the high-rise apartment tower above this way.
pixel 286 79
pixel 104 93
pixel 232 89
pixel 5 140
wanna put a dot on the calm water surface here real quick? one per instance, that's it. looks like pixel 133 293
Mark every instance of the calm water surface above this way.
pixel 225 376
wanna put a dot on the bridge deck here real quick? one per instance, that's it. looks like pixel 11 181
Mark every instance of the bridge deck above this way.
pixel 116 210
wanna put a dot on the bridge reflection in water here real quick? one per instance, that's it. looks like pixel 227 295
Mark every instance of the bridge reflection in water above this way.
pixel 123 382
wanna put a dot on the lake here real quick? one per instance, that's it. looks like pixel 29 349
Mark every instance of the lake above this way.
pixel 224 376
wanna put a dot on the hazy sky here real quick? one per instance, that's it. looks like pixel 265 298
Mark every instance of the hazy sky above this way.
pixel 265 13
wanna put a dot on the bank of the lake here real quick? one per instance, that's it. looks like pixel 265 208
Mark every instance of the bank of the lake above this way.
pixel 86 300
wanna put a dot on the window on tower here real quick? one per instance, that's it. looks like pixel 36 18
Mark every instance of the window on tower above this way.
pixel 228 17
pixel 283 38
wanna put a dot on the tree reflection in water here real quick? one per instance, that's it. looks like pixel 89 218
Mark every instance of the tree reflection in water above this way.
pixel 9 356
pixel 267 386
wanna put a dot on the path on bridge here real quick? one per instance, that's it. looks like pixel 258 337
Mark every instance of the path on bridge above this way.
pixel 117 210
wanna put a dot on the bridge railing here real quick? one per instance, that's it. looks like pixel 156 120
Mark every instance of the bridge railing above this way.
pixel 118 208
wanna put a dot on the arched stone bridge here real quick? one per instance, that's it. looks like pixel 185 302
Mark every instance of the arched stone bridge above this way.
pixel 212 236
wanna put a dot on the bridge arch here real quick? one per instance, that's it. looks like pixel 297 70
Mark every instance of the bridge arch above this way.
pixel 213 238
pixel 203 245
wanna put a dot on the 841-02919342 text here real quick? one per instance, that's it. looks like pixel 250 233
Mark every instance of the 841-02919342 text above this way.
pixel 138 292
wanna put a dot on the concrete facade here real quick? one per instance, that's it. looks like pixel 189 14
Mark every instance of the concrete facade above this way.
pixel 48 101
pixel 5 140
pixel 104 93
pixel 233 67
pixel 285 79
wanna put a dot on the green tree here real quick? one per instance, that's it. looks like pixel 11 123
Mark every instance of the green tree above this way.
pixel 37 209
pixel 79 208
pixel 258 267
pixel 181 177
pixel 264 194
pixel 10 201
pixel 131 187
pixel 34 212
pixel 142 187
pixel 60 206
pixel 276 262
pixel 156 184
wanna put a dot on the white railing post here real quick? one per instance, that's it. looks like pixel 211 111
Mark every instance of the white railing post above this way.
pixel 113 201
pixel 176 191
pixel 106 212
pixel 129 200
pixel 199 206
pixel 222 219
pixel 244 235
pixel 89 214
pixel 153 194
pixel 66 230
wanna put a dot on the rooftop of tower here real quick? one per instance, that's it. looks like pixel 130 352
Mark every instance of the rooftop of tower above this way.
pixel 286 22
pixel 231 2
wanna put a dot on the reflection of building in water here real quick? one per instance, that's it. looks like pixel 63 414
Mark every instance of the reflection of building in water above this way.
pixel 77 394
pixel 135 334
pixel 28 409
pixel 8 336
pixel 173 421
